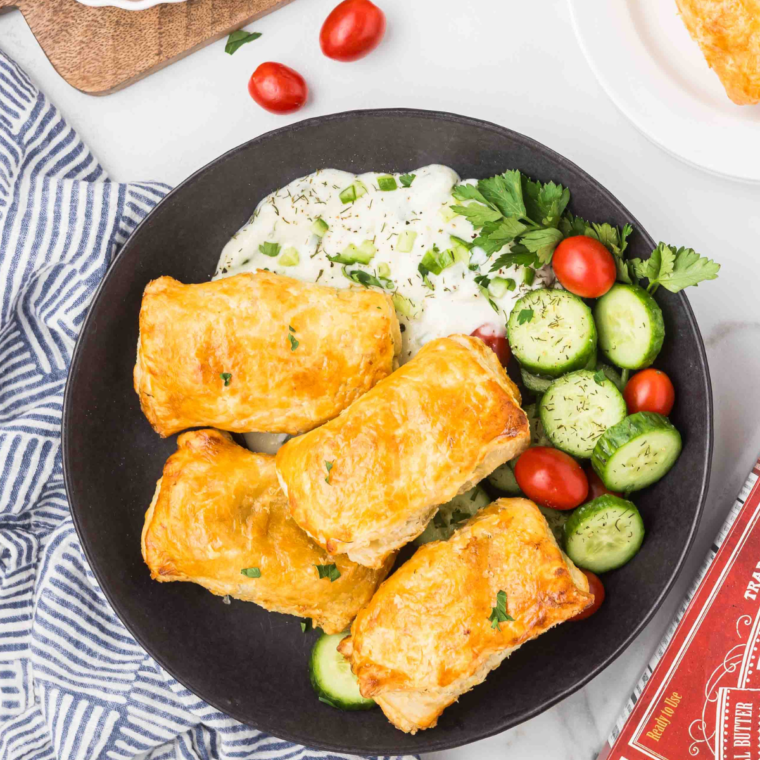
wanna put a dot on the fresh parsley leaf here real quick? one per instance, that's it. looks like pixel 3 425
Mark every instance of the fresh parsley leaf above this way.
pixel 270 249
pixel 675 269
pixel 291 328
pixel 613 238
pixel 542 242
pixel 476 213
pixel 226 376
pixel 362 278
pixel 238 39
pixel 328 466
pixel 499 613
pixel 293 342
pixel 466 243
pixel 504 191
pixel 574 225
pixel 495 235
pixel 407 179
pixel 545 203
pixel 600 377
pixel 251 572
pixel 524 315
pixel 469 193
pixel 424 272
pixel 306 625
pixel 328 571
pixel 517 256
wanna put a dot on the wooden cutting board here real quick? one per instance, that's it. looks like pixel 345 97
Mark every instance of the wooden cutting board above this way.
pixel 101 50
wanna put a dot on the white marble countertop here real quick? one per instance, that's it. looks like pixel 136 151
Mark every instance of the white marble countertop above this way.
pixel 516 64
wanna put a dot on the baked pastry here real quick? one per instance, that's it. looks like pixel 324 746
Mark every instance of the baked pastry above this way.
pixel 369 481
pixel 218 510
pixel 457 608
pixel 728 32
pixel 259 352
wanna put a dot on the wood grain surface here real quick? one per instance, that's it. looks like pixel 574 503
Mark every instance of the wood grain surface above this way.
pixel 101 50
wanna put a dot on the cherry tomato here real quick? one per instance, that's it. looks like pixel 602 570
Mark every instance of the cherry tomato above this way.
pixel 495 337
pixel 584 266
pixel 650 391
pixel 595 485
pixel 597 589
pixel 551 478
pixel 278 88
pixel 353 29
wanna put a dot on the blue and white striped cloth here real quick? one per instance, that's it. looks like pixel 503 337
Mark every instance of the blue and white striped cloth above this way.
pixel 74 685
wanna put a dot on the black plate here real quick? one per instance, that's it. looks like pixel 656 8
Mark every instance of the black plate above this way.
pixel 253 664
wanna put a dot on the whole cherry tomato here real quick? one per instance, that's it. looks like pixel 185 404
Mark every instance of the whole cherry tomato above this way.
pixel 597 589
pixel 584 266
pixel 595 485
pixel 353 29
pixel 495 337
pixel 650 391
pixel 551 478
pixel 278 88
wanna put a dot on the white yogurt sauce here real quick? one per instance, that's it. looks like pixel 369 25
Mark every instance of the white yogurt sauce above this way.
pixel 454 305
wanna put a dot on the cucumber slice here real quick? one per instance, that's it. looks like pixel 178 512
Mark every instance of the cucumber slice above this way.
pixel 332 678
pixel 630 324
pixel 557 520
pixel 453 515
pixel 576 410
pixel 636 452
pixel 559 337
pixel 612 374
pixel 503 478
pixel 604 534
pixel 534 382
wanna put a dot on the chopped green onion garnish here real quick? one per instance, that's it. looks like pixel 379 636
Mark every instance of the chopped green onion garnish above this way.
pixel 354 191
pixel 387 182
pixel 270 249
pixel 383 270
pixel 405 241
pixel 289 257
pixel 436 261
pixel 320 227
pixel 328 571
pixel 352 254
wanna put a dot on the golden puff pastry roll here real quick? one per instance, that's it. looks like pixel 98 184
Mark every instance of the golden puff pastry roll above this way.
pixel 728 32
pixel 369 481
pixel 218 510
pixel 259 352
pixel 439 624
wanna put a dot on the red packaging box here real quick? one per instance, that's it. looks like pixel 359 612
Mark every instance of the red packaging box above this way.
pixel 700 695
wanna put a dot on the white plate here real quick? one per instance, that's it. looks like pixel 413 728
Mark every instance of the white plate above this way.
pixel 128 5
pixel 656 75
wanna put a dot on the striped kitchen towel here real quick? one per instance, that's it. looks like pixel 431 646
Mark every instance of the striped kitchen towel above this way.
pixel 74 684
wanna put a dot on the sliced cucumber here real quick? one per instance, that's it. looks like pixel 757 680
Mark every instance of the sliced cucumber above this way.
pixel 636 452
pixel 612 374
pixel 559 336
pixel 577 409
pixel 503 478
pixel 604 534
pixel 453 515
pixel 332 678
pixel 538 435
pixel 534 382
pixel 557 520
pixel 630 324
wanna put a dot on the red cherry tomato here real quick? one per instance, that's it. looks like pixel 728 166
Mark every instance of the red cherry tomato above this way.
pixel 584 266
pixel 278 88
pixel 353 29
pixel 495 337
pixel 595 485
pixel 551 478
pixel 597 589
pixel 650 391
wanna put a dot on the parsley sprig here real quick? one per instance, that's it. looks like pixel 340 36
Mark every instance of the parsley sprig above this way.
pixel 328 571
pixel 674 268
pixel 238 39
pixel 499 613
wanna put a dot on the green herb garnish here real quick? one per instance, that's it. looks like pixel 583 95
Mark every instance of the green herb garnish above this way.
pixel 387 182
pixel 306 625
pixel 270 249
pixel 600 377
pixel 251 572
pixel 328 571
pixel 436 261
pixel 524 315
pixel 364 278
pixel 329 466
pixel 499 613
pixel 238 39
pixel 674 269
pixel 293 342
pixel 226 376
pixel 407 179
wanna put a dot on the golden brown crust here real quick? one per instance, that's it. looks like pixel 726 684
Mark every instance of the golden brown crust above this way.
pixel 191 334
pixel 218 509
pixel 425 638
pixel 433 429
pixel 728 32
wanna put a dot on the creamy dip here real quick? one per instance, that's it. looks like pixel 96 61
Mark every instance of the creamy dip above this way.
pixel 396 228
